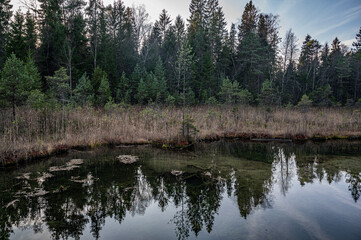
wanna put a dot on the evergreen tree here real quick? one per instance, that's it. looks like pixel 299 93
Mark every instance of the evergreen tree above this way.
pixel 229 92
pixel 5 16
pixel 268 96
pixel 30 35
pixel 84 92
pixel 248 21
pixel 141 95
pixel 17 80
pixel 134 82
pixel 103 93
pixel 16 41
pixel 357 43
pixel 75 43
pixel 308 64
pixel 59 86
pixel 101 86
pixel 289 50
pixel 124 91
pixel 159 73
pixel 93 18
pixel 356 67
pixel 163 24
pixel 52 37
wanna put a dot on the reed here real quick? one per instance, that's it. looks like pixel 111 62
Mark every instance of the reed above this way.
pixel 37 133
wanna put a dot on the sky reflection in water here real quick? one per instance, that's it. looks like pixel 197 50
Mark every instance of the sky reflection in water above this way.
pixel 228 190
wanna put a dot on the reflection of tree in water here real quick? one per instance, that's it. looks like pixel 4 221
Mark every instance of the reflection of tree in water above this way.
pixel 180 219
pixel 197 194
pixel 142 195
pixel 251 193
pixel 354 181
pixel 284 169
pixel 197 200
pixel 68 207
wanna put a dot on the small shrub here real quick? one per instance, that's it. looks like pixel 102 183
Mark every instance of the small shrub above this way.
pixel 305 102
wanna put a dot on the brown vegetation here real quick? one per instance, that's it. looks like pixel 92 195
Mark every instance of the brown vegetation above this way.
pixel 38 133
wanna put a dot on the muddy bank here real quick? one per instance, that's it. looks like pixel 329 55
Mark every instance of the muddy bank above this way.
pixel 27 155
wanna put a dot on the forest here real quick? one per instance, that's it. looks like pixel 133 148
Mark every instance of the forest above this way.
pixel 82 73
pixel 72 52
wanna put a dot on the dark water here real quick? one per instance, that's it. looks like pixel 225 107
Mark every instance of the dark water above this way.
pixel 227 190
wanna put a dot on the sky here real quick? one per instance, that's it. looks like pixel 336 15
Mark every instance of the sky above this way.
pixel 322 19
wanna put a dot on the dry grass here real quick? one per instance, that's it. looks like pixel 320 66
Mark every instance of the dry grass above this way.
pixel 38 133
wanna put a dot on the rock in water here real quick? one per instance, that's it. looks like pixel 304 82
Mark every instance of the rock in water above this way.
pixel 75 162
pixel 128 159
pixel 176 173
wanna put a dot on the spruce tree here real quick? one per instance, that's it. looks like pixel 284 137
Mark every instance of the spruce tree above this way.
pixel 104 93
pixel 59 86
pixel 84 92
pixel 30 35
pixel 5 16
pixel 52 37
pixel 16 41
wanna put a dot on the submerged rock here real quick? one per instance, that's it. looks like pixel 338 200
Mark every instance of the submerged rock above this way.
pixel 208 174
pixel 38 192
pixel 62 168
pixel 89 180
pixel 12 203
pixel 74 163
pixel 25 176
pixel 43 177
pixel 176 173
pixel 128 159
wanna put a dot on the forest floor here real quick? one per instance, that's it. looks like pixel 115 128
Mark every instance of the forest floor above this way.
pixel 41 133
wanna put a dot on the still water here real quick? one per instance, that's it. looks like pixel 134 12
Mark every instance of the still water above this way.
pixel 223 190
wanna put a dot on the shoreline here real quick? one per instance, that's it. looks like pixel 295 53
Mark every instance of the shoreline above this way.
pixel 14 159
pixel 42 133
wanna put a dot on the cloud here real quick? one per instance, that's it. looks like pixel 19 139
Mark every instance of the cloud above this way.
pixel 349 42
pixel 347 20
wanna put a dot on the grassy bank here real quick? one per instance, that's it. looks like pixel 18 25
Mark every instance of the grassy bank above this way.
pixel 37 133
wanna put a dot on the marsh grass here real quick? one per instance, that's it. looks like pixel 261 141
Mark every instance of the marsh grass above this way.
pixel 37 133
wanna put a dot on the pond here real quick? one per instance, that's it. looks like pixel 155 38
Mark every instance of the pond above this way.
pixel 221 190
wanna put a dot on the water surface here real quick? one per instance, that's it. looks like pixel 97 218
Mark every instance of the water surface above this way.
pixel 224 190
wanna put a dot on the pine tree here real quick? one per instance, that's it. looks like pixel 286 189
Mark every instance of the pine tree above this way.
pixel 103 92
pixel 268 96
pixel 101 86
pixel 16 41
pixel 84 92
pixel 357 43
pixel 229 92
pixel 163 24
pixel 5 16
pixel 356 67
pixel 216 28
pixel 17 80
pixel 309 63
pixel 30 35
pixel 52 37
pixel 162 84
pixel 289 50
pixel 75 42
pixel 59 86
pixel 196 20
pixel 141 95
pixel 134 82
pixel 93 18
pixel 248 21
pixel 124 91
